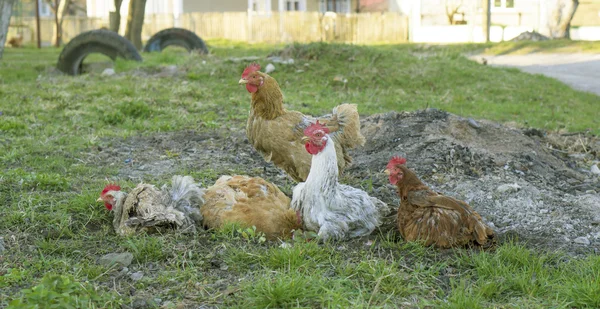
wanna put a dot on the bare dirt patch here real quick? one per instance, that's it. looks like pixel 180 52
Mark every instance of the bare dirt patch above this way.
pixel 526 183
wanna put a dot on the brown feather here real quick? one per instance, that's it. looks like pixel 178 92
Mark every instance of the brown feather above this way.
pixel 425 215
pixel 276 133
pixel 249 201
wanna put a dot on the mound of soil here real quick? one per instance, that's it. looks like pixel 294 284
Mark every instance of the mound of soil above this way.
pixel 530 36
pixel 515 179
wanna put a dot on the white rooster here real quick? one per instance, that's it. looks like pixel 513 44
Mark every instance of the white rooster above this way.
pixel 334 210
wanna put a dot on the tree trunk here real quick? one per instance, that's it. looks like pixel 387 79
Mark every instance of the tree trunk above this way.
pixel 60 11
pixel 560 22
pixel 5 13
pixel 486 20
pixel 115 17
pixel 135 22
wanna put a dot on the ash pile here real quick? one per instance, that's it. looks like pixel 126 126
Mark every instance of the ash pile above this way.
pixel 527 184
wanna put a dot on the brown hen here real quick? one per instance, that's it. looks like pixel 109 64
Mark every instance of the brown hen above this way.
pixel 435 219
pixel 275 132
pixel 249 201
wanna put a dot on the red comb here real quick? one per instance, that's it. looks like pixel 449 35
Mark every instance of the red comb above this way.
pixel 110 187
pixel 396 161
pixel 250 69
pixel 314 127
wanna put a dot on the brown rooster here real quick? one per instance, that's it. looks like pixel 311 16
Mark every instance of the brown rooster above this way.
pixel 428 216
pixel 276 133
pixel 249 201
pixel 147 207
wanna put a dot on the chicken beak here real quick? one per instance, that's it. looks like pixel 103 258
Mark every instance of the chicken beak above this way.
pixel 99 200
pixel 243 81
pixel 387 172
pixel 305 139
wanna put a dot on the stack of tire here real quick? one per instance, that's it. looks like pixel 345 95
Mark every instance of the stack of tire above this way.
pixel 111 44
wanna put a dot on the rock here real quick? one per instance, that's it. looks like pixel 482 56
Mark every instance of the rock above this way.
pixel 124 259
pixel 508 188
pixel 136 276
pixel 473 123
pixel 530 36
pixel 595 170
pixel 582 240
pixel 544 211
pixel 269 68
pixel 240 59
pixel 277 59
pixel 108 72
pixel 578 156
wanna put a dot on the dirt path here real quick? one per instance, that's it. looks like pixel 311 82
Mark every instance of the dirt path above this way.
pixel 580 71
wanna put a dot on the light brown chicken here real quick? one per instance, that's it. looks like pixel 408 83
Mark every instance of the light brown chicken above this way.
pixel 149 208
pixel 436 219
pixel 249 201
pixel 275 132
pixel 16 41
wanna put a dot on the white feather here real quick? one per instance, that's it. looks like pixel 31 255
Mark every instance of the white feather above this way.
pixel 335 210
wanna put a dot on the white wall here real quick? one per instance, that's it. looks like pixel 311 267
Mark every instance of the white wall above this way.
pixel 100 8
pixel 591 33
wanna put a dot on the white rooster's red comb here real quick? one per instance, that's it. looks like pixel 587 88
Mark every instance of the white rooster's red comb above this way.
pixel 310 130
pixel 250 69
pixel 110 187
pixel 396 161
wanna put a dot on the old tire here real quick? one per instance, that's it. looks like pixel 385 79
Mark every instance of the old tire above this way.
pixel 175 37
pixel 101 41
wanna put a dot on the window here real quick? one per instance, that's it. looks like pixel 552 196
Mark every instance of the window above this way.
pixel 294 5
pixel 260 6
pixel 504 4
pixel 338 6
pixel 44 8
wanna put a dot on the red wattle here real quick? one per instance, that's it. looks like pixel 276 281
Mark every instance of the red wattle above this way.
pixel 251 88
pixel 108 206
pixel 313 149
pixel 393 180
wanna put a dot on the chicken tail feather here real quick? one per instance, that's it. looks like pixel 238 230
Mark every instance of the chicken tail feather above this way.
pixel 186 196
pixel 348 122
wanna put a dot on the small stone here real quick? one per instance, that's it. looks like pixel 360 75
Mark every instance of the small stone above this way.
pixel 224 267
pixel 124 259
pixel 595 170
pixel 269 68
pixel 136 276
pixel 544 211
pixel 582 240
pixel 508 188
pixel 285 245
pixel 577 156
pixel 568 226
pixel 473 123
pixel 108 72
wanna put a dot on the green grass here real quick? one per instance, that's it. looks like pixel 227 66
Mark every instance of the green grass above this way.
pixel 552 46
pixel 51 127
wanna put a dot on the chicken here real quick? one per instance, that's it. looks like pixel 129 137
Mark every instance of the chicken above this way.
pixel 275 132
pixel 334 210
pixel 249 201
pixel 16 41
pixel 147 207
pixel 435 219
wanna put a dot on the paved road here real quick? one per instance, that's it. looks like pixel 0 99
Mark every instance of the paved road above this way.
pixel 580 71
